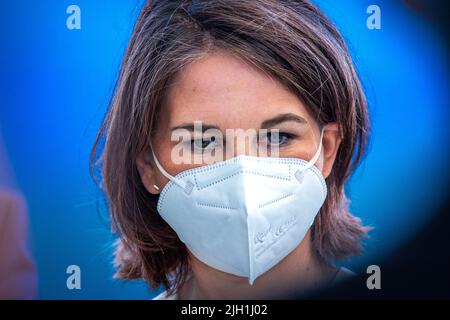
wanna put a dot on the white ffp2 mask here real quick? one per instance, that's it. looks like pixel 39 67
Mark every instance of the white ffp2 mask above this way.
pixel 243 215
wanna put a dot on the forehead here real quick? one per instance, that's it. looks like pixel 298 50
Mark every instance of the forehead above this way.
pixel 226 91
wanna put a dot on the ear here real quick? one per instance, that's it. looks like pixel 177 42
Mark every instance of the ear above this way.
pixel 147 172
pixel 330 144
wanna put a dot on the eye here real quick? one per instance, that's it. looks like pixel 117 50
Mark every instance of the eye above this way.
pixel 202 144
pixel 279 139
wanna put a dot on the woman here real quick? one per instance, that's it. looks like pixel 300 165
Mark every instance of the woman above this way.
pixel 195 212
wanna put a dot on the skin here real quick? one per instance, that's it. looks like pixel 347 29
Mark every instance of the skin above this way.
pixel 223 91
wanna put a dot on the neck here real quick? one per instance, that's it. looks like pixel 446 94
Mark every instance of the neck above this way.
pixel 300 272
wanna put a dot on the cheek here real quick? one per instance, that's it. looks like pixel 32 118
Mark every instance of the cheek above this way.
pixel 303 149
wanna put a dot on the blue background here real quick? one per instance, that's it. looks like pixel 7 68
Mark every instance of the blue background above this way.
pixel 55 85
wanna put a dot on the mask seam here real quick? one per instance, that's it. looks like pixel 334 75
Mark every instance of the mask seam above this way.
pixel 300 162
pixel 234 160
pixel 274 201
pixel 215 206
pixel 240 172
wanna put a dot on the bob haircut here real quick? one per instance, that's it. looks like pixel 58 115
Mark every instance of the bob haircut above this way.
pixel 289 39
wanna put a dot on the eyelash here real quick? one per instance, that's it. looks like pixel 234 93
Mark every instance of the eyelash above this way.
pixel 194 143
pixel 288 137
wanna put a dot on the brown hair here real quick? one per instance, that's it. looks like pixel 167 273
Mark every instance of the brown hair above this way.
pixel 292 41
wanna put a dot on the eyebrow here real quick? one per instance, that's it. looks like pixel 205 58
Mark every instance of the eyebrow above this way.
pixel 285 117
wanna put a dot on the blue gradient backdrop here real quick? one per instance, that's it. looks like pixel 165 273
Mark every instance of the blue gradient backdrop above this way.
pixel 55 85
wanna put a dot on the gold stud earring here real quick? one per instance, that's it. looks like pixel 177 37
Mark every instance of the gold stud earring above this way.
pixel 156 187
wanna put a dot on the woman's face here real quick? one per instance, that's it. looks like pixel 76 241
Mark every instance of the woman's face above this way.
pixel 223 92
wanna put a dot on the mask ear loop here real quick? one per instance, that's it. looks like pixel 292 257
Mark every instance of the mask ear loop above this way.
pixel 300 172
pixel 186 186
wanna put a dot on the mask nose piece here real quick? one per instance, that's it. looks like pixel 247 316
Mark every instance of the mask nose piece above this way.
pixel 299 175
pixel 189 186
